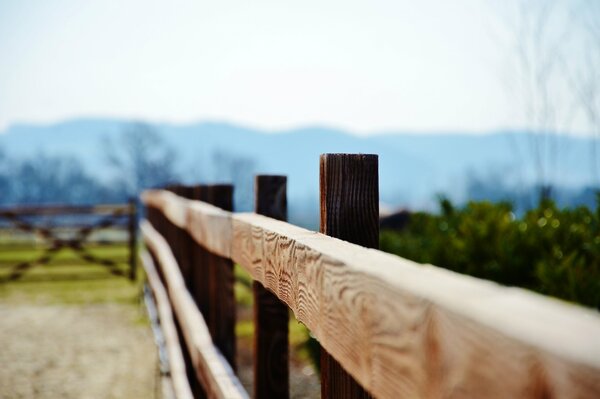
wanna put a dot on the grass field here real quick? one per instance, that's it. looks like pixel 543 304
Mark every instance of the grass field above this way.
pixel 67 278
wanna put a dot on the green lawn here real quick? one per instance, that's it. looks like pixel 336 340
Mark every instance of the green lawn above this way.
pixel 67 278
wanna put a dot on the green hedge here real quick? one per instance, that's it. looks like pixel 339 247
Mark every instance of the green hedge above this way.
pixel 549 250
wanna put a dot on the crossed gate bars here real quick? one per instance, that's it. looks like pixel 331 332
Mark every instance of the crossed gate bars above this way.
pixel 110 216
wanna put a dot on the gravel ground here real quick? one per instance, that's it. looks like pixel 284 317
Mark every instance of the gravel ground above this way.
pixel 85 351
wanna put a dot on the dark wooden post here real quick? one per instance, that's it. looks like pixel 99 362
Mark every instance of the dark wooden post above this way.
pixel 132 239
pixel 349 211
pixel 176 235
pixel 154 219
pixel 185 244
pixel 194 268
pixel 151 217
pixel 221 319
pixel 181 245
pixel 171 231
pixel 271 350
pixel 200 268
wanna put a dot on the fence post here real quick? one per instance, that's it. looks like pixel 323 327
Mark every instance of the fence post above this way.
pixel 154 219
pixel 177 236
pixel 349 191
pixel 132 239
pixel 271 351
pixel 172 231
pixel 181 246
pixel 221 319
pixel 186 241
pixel 200 267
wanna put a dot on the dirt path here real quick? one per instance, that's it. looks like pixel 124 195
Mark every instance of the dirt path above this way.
pixel 82 351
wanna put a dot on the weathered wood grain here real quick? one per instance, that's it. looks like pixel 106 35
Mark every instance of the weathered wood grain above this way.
pixel 177 371
pixel 212 368
pixel 349 196
pixel 271 316
pixel 404 329
pixel 408 330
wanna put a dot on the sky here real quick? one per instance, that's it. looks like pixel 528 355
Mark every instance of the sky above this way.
pixel 365 66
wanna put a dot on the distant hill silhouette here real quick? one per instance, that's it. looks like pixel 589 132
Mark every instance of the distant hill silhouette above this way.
pixel 413 167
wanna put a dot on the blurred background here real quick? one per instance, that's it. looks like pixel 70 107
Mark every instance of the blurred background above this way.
pixel 495 100
pixel 485 115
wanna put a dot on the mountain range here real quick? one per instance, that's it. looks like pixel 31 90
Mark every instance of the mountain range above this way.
pixel 413 167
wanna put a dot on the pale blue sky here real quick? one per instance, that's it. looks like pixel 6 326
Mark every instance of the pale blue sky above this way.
pixel 361 65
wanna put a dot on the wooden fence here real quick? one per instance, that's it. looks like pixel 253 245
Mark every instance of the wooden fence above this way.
pixel 387 327
pixel 49 222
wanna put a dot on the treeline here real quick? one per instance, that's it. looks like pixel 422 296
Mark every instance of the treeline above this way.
pixel 46 179
pixel 138 159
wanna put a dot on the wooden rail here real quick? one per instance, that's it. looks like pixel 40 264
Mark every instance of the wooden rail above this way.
pixel 212 369
pixel 399 328
pixel 177 371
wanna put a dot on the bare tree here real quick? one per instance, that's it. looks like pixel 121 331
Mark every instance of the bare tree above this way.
pixel 536 35
pixel 50 179
pixel 584 76
pixel 239 170
pixel 554 76
pixel 140 158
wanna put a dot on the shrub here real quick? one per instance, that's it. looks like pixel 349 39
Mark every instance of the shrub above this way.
pixel 549 250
